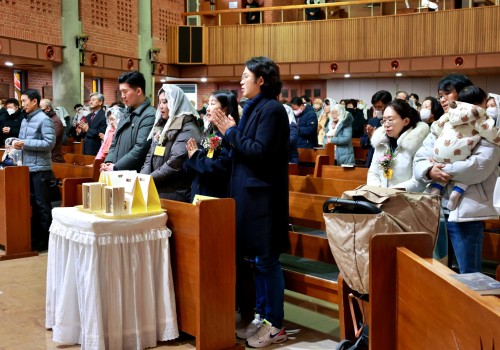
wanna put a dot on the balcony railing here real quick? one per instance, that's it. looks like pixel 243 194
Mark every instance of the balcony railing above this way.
pixel 343 9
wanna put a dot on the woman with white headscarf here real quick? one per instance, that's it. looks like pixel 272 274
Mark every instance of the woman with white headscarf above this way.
pixel 493 107
pixel 339 132
pixel 175 124
pixel 113 117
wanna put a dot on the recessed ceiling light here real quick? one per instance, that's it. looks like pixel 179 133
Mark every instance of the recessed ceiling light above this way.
pixel 203 80
pixel 296 77
pixel 162 80
pixel 9 64
pixel 399 74
pixel 347 75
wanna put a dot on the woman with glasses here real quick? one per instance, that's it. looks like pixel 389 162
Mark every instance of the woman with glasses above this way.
pixel 395 144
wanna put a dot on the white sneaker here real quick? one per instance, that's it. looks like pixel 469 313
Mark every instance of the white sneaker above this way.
pixel 251 329
pixel 267 335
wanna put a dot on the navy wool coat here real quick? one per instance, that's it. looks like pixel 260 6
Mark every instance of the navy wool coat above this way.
pixel 259 180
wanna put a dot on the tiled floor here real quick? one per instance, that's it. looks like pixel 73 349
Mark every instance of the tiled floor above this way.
pixel 22 314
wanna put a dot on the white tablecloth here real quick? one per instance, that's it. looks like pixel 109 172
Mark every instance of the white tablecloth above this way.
pixel 109 282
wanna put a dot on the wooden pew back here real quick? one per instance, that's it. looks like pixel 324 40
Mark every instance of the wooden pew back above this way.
pixel 339 172
pixel 65 170
pixel 310 160
pixel 78 159
pixel 360 153
pixel 435 311
pixel 325 186
pixel 203 256
pixel 15 213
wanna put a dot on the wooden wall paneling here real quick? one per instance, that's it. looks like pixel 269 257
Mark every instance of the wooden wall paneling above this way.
pixel 387 37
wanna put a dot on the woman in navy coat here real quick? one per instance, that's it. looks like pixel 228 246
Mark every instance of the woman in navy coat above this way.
pixel 259 183
pixel 211 169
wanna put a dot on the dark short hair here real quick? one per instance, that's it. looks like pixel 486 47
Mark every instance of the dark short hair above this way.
pixel 135 79
pixel 269 71
pixel 297 101
pixel 436 109
pixel 402 108
pixel 473 95
pixel 453 82
pixel 78 105
pixel 117 103
pixel 227 100
pixel 32 95
pixel 383 95
pixel 306 99
pixel 414 95
pixel 14 101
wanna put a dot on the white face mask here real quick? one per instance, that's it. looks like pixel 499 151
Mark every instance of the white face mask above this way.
pixel 492 112
pixel 361 106
pixel 425 114
pixel 11 111
pixel 297 112
pixel 378 114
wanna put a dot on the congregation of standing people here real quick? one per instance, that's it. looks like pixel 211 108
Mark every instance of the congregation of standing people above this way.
pixel 447 145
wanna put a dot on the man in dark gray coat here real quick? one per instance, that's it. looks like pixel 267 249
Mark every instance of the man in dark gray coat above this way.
pixel 130 144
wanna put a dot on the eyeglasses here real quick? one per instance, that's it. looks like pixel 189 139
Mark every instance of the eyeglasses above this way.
pixel 387 122
pixel 440 97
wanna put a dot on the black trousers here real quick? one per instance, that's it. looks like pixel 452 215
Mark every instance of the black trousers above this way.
pixel 41 217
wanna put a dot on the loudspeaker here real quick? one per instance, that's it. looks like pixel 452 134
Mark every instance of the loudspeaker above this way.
pixel 190 45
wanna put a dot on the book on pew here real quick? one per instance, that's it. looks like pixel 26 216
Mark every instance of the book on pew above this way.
pixel 198 198
pixel 479 282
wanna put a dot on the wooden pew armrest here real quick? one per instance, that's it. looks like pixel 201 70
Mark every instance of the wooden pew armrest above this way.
pixel 69 190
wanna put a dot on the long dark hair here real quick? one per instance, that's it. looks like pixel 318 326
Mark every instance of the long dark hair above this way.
pixel 229 102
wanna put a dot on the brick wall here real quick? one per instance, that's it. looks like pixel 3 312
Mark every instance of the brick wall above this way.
pixel 41 20
pixel 37 80
pixel 164 13
pixel 7 77
pixel 112 26
pixel 204 91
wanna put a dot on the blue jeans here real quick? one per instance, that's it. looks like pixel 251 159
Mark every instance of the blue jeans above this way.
pixel 269 289
pixel 467 241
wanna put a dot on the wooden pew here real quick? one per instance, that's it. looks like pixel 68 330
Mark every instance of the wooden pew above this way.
pixel 66 170
pixel 340 172
pixel 360 153
pixel 415 304
pixel 308 158
pixel 203 256
pixel 433 310
pixel 78 159
pixel 491 243
pixel 318 185
pixel 74 147
pixel 15 213
pixel 309 267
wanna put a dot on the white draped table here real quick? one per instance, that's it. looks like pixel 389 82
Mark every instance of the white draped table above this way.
pixel 109 282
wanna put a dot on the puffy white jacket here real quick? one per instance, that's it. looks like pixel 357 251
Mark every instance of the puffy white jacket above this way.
pixel 480 171
pixel 407 145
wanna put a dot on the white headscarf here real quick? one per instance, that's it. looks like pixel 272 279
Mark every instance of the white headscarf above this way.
pixel 178 105
pixel 497 101
pixel 341 113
